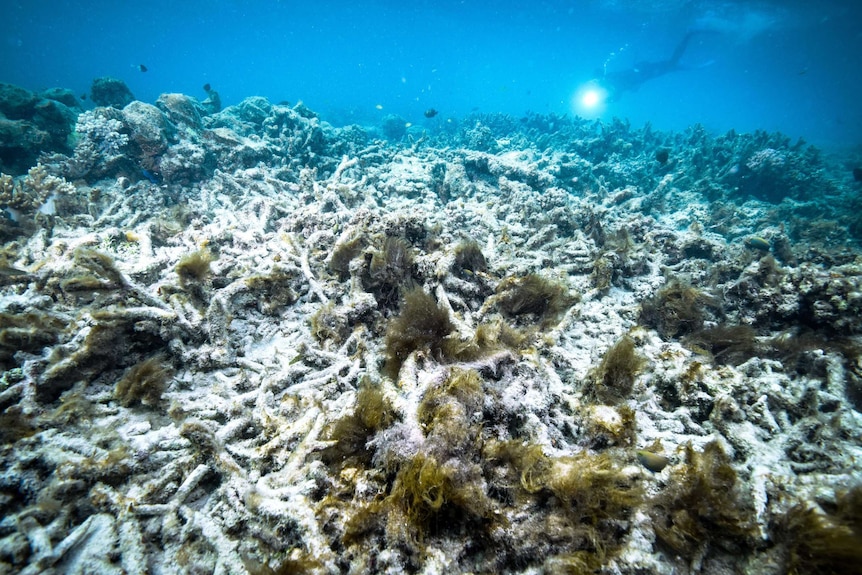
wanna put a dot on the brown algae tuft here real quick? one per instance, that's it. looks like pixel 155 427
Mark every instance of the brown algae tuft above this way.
pixel 344 253
pixel 429 492
pixel 390 269
pixel 727 344
pixel 823 543
pixel 469 259
pixel 144 382
pixel 677 309
pixel 28 332
pixel 194 271
pixel 194 268
pixel 703 504
pixel 422 325
pixel 533 296
pixel 350 434
pixel 613 380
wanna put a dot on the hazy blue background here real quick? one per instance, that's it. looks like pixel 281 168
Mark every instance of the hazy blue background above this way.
pixel 792 66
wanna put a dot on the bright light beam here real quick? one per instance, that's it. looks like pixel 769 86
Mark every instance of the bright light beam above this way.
pixel 590 100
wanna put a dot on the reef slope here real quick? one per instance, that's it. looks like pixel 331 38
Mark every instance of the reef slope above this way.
pixel 247 341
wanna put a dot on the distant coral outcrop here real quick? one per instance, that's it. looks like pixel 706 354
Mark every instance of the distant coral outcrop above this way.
pixel 32 123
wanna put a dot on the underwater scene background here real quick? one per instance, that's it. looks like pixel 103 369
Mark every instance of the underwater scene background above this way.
pixel 431 287
pixel 790 65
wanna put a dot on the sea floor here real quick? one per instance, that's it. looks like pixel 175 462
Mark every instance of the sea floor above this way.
pixel 247 341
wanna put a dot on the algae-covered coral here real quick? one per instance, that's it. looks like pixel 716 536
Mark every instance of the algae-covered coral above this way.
pixel 505 346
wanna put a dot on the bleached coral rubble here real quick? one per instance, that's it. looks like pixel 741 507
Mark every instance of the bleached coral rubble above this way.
pixel 251 342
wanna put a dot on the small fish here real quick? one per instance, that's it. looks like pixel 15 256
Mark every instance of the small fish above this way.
pixel 83 96
pixel 10 272
pixel 141 67
pixel 430 113
pixel 153 177
pixel 12 276
pixel 757 243
pixel 207 88
pixel 379 106
pixel 652 461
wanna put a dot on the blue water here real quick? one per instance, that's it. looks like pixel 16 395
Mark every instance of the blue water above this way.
pixel 787 66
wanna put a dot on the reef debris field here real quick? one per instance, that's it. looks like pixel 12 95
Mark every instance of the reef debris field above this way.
pixel 245 340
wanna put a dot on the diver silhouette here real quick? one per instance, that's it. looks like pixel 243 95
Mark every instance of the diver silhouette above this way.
pixel 629 80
